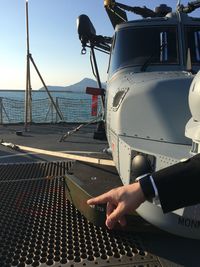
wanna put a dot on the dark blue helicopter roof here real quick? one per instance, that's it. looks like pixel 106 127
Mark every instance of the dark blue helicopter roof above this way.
pixel 172 18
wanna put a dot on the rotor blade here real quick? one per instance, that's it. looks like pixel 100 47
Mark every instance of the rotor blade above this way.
pixel 142 11
pixel 116 15
pixel 190 7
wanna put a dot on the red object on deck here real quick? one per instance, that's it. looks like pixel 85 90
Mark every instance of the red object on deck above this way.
pixel 94 105
pixel 95 91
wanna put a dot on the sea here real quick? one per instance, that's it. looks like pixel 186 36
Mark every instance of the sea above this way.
pixel 36 94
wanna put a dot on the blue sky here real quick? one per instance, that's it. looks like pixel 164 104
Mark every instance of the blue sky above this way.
pixel 54 42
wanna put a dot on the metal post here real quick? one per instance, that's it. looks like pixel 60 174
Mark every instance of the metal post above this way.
pixel 51 105
pixel 1 110
pixel 47 90
pixel 57 104
pixel 97 75
pixel 28 92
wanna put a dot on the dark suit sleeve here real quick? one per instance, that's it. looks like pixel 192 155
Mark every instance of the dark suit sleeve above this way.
pixel 179 185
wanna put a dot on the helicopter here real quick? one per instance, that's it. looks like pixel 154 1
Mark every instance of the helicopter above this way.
pixel 153 65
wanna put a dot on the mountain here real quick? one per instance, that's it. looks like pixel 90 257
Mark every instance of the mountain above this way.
pixel 77 87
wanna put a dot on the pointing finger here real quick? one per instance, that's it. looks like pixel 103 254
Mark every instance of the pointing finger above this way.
pixel 104 198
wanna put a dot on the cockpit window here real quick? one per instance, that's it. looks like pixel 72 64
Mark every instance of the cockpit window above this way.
pixel 144 46
pixel 193 43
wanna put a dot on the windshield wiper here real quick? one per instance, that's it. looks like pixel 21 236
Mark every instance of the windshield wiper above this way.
pixel 147 62
pixel 149 59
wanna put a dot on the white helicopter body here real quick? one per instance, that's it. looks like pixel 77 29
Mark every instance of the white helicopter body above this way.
pixel 153 62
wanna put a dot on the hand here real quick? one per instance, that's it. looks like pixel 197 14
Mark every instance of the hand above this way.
pixel 120 201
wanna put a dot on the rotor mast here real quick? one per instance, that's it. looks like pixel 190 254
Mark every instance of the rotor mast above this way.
pixel 117 11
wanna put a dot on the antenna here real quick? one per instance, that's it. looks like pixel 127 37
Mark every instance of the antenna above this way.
pixel 28 92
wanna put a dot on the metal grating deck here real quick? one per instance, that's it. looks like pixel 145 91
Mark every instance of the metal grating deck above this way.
pixel 39 226
pixel 30 170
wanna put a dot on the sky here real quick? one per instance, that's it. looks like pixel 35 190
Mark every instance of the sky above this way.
pixel 54 42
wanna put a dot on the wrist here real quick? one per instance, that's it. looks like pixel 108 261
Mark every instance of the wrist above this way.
pixel 148 187
pixel 137 190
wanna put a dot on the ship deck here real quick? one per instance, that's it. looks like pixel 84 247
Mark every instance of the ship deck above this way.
pixel 39 226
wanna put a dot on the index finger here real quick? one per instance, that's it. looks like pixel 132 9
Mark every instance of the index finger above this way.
pixel 102 199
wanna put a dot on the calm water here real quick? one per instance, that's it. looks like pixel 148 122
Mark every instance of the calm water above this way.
pixel 15 94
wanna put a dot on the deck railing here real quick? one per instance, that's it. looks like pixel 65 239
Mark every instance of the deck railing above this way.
pixel 73 110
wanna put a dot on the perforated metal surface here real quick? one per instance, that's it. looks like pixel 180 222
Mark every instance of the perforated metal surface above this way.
pixel 26 171
pixel 39 227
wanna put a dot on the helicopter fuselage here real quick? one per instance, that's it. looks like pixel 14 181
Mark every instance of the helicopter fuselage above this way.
pixel 151 68
pixel 152 64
